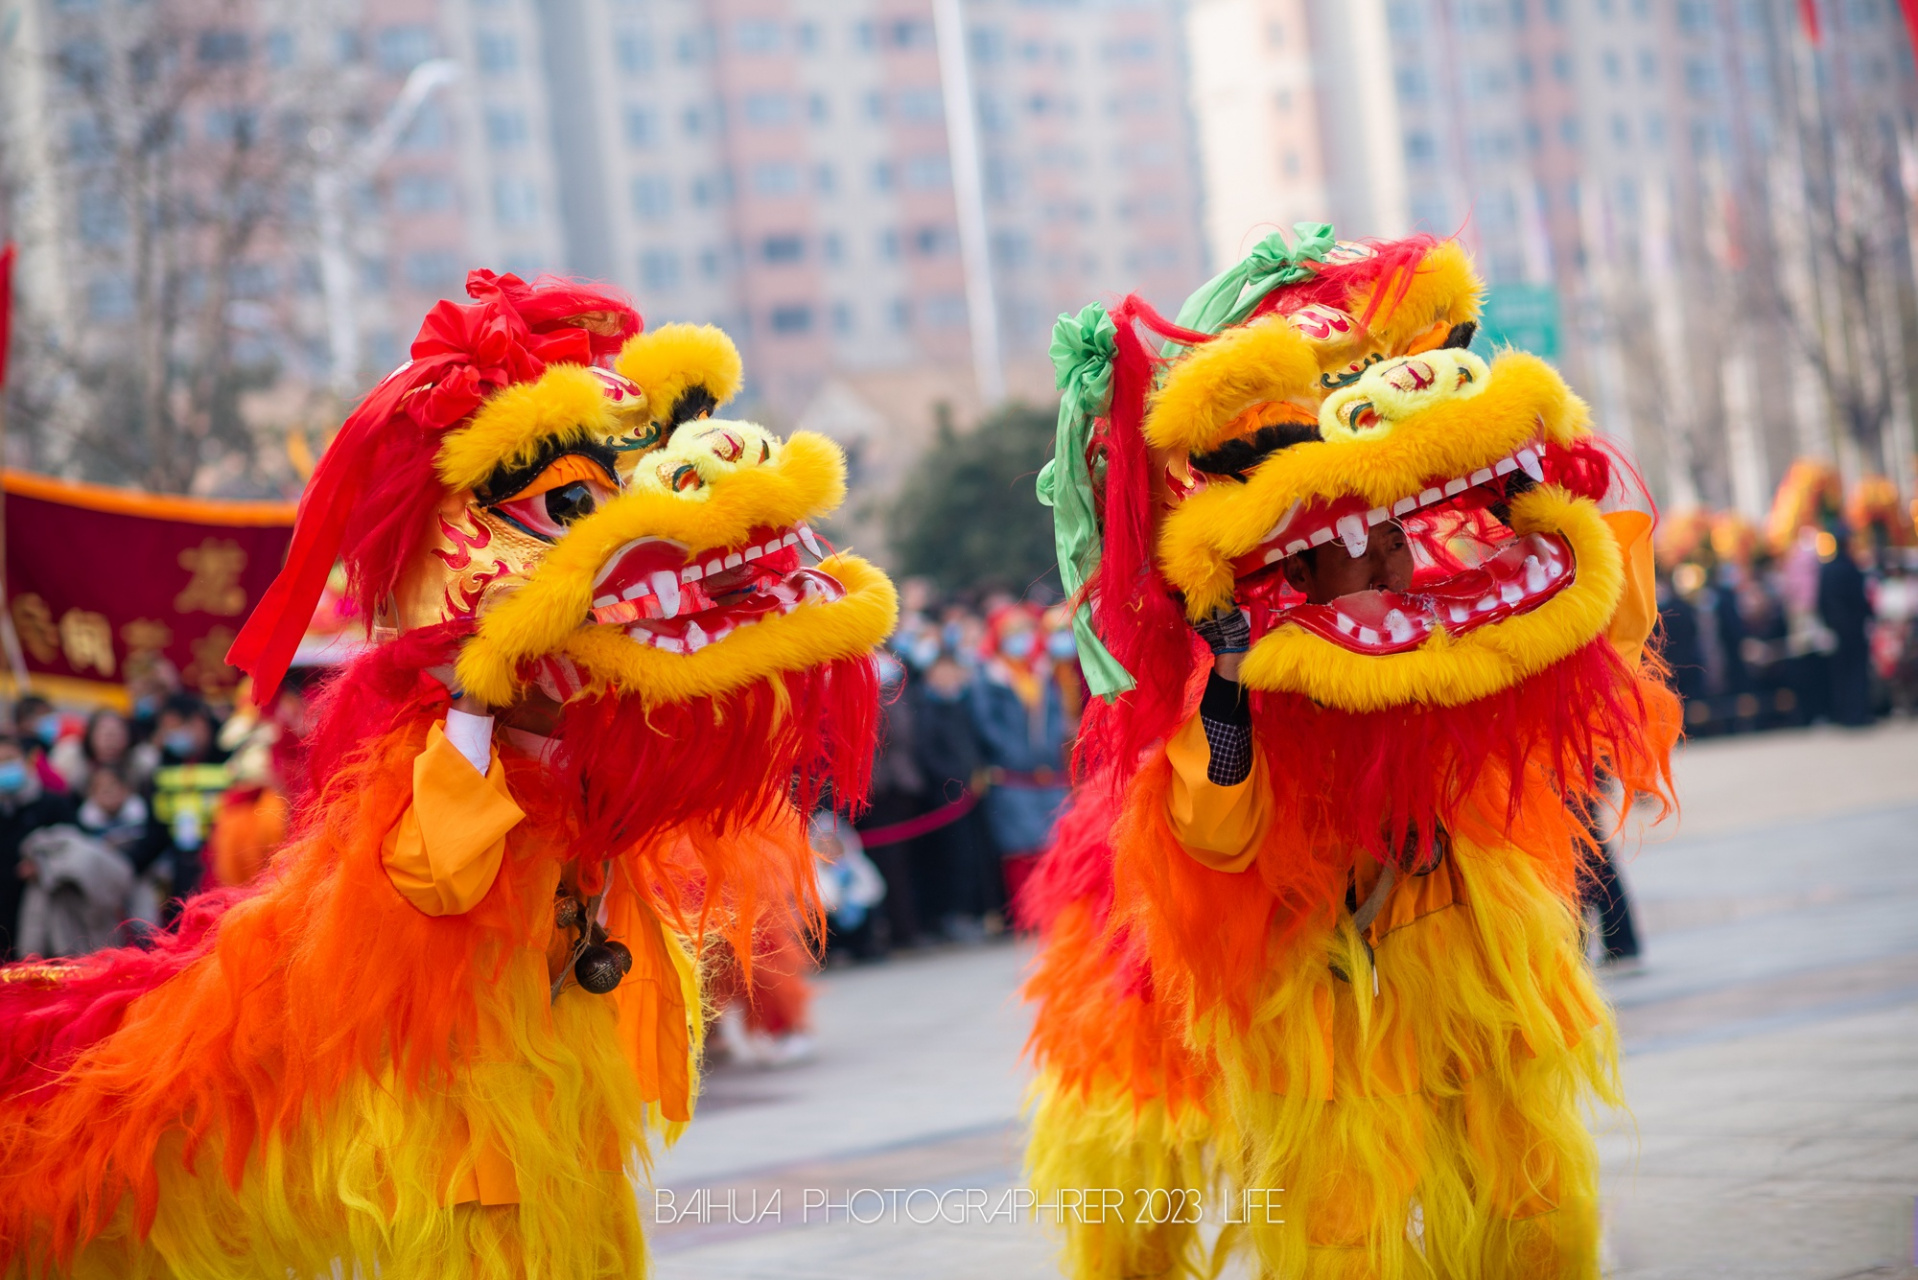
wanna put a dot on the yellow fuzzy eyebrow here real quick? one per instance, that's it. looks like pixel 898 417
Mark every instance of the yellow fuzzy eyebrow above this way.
pixel 567 403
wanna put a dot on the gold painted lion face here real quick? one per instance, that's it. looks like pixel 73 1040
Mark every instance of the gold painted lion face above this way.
pixel 1487 470
pixel 609 536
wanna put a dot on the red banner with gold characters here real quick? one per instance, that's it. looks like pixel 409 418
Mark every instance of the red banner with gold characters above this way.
pixel 101 581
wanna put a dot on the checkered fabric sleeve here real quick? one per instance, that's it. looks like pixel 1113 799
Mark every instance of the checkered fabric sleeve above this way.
pixel 1227 720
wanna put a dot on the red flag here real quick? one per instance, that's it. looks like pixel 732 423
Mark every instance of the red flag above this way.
pixel 1911 25
pixel 1808 14
pixel 6 307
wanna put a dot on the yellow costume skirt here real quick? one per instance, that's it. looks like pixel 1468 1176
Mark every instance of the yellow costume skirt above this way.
pixel 1404 1104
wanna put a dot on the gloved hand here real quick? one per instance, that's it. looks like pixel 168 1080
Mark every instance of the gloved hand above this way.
pixel 1227 631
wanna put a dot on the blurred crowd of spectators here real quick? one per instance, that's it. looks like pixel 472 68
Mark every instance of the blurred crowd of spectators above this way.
pixel 1819 633
pixel 109 818
pixel 981 697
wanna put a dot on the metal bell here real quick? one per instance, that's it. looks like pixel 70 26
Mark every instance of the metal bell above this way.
pixel 598 969
pixel 622 954
pixel 568 912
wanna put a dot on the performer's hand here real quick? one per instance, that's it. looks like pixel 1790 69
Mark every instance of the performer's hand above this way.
pixel 462 700
pixel 1228 633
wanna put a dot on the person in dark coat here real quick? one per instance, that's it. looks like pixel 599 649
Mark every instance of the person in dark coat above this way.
pixel 951 759
pixel 898 795
pixel 1845 608
pixel 26 806
pixel 1021 717
pixel 1678 620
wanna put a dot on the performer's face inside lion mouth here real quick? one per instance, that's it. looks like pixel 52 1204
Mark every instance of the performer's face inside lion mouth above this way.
pixel 1435 502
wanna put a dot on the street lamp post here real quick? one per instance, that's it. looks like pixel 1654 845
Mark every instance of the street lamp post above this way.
pixel 334 177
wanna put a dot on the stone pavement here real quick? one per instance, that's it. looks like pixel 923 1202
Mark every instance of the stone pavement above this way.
pixel 1771 1062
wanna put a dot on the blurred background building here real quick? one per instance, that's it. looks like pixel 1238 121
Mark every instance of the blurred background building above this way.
pixel 232 213
pixel 1703 208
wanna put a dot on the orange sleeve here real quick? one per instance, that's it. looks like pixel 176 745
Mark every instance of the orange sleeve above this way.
pixel 445 851
pixel 650 1006
pixel 1638 603
pixel 1219 826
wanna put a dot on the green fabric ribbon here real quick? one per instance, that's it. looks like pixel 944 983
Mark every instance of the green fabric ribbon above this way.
pixel 1082 352
pixel 1229 297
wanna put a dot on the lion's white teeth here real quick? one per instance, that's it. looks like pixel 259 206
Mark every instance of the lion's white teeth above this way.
pixel 1505 467
pixel 812 543
pixel 714 565
pixel 1453 488
pixel 1321 536
pixel 1377 516
pixel 1536 578
pixel 1510 592
pixel 695 638
pixel 734 560
pixel 1482 476
pixel 1351 530
pixel 1405 506
pixel 1528 463
pixel 665 584
pixel 1430 496
pixel 753 553
pixel 1398 626
pixel 691 573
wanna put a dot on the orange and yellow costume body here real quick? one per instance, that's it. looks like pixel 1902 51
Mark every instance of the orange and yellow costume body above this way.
pixel 438 1035
pixel 1335 1019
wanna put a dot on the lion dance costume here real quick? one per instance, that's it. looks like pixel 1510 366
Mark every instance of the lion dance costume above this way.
pixel 436 1038
pixel 1312 963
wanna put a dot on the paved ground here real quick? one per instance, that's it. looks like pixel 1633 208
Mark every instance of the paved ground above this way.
pixel 1771 1062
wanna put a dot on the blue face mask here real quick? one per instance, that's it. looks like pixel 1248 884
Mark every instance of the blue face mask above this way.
pixel 1017 646
pixel 13 776
pixel 1061 646
pixel 180 742
pixel 952 634
pixel 143 708
pixel 48 731
pixel 923 652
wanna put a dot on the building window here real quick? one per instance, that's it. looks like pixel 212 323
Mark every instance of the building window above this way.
pixel 818 108
pixel 1614 66
pixel 641 127
pixel 842 318
pixel 882 175
pixel 1420 148
pixel 1647 65
pixel 422 193
pixel 506 128
pixel 659 269
pixel 923 104
pixel 934 242
pixel 928 173
pixel 1701 79
pixel 652 197
pixel 103 218
pixel 402 48
pixel 1568 130
pixel 831 247
pixel 889 245
pixel 222 47
pixel 279 48
pixel 901 310
pixel 825 180
pixel 945 311
pixel 515 202
pixel 434 270
pixel 1621 131
pixel 791 317
pixel 775 178
pixel 498 52
pixel 768 109
pixel 756 35
pixel 428 132
pixel 633 50
pixel 909 33
pixel 1562 66
pixel 784 248
pixel 109 298
pixel 806 36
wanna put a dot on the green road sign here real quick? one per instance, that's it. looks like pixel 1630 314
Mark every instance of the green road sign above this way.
pixel 1524 316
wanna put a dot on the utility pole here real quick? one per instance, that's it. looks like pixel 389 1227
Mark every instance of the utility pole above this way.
pixel 968 190
pixel 333 180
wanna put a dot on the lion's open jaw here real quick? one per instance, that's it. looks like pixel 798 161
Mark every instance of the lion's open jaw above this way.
pixel 678 600
pixel 1510 576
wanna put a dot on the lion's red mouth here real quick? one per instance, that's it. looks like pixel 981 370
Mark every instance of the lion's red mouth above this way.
pixel 679 601
pixel 1525 573
pixel 1473 570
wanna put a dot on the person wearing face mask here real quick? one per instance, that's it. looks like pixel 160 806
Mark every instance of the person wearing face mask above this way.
pixel 1023 728
pixel 38 727
pixel 25 807
pixel 184 795
pixel 960 854
pixel 898 795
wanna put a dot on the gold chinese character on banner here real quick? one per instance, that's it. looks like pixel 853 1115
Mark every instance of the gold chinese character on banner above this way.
pixel 216 565
pixel 34 623
pixel 208 671
pixel 144 636
pixel 87 639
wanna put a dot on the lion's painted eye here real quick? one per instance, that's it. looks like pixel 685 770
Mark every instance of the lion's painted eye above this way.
pixel 565 493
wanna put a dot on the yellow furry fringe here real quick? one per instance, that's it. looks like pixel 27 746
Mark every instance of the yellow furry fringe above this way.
pixel 1451 672
pixel 1435 1130
pixel 1445 290
pixel 364 1186
pixel 1105 1142
pixel 674 358
pixel 1205 393
pixel 566 403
